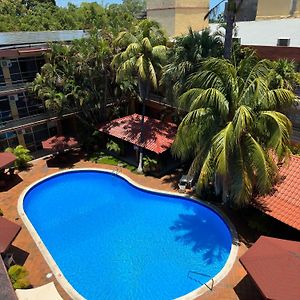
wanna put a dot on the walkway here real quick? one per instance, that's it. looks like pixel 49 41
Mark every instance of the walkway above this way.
pixel 235 286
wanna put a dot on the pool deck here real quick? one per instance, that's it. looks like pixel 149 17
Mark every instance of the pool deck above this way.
pixel 236 285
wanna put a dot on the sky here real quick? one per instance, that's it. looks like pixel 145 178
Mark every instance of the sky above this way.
pixel 77 2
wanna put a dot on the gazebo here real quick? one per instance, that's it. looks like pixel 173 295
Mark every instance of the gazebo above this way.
pixel 274 266
pixel 158 135
pixel 8 232
pixel 6 160
pixel 59 143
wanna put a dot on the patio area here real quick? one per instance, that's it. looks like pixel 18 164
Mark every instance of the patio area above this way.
pixel 236 285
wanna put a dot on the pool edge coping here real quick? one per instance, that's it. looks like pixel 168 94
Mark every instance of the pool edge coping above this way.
pixel 71 291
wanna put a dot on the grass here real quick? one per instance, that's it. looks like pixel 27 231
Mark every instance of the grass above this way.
pixel 103 158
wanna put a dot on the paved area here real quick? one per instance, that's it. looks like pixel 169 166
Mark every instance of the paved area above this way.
pixel 236 285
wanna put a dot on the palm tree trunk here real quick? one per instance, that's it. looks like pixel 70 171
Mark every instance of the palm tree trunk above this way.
pixel 140 166
pixel 144 91
pixel 230 18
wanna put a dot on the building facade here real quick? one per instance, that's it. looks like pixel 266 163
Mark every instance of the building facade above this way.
pixel 23 118
pixel 176 16
pixel 252 10
pixel 274 9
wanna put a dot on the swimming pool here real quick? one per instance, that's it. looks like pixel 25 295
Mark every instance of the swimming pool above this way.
pixel 110 239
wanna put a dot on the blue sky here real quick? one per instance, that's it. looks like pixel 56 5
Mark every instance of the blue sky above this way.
pixel 77 2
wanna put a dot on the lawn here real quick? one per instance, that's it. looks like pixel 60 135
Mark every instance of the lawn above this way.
pixel 104 158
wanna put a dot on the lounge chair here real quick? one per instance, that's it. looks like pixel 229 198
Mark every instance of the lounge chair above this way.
pixel 9 260
pixel 45 292
pixel 182 187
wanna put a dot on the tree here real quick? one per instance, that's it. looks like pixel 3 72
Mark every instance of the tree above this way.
pixel 32 3
pixel 135 6
pixel 143 51
pixel 232 8
pixel 234 129
pixel 78 77
pixel 185 57
pixel 284 75
pixel 23 156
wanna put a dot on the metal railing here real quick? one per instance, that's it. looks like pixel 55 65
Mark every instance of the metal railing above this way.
pixel 190 273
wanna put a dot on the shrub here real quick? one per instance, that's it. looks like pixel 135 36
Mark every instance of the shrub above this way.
pixel 295 148
pixel 149 164
pixel 23 156
pixel 113 147
pixel 18 277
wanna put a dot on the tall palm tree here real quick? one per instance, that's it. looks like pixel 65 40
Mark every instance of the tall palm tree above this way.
pixel 143 52
pixel 232 8
pixel 185 57
pixel 234 129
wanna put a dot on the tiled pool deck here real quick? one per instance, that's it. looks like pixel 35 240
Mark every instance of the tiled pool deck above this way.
pixel 236 284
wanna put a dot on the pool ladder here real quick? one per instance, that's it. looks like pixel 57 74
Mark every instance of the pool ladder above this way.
pixel 190 273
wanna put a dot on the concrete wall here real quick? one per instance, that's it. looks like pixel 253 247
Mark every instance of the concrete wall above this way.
pixel 176 16
pixel 276 8
pixel 247 11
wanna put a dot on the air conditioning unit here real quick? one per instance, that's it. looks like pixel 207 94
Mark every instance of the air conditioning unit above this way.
pixel 13 98
pixel 237 40
pixel 5 63
pixel 283 42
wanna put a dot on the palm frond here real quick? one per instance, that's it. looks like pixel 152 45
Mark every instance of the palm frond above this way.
pixel 223 143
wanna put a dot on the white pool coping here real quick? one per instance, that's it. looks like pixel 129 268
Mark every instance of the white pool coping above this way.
pixel 64 282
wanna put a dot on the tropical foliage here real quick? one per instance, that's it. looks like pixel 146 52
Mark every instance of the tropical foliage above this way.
pixel 37 15
pixel 113 147
pixel 79 78
pixel 141 57
pixel 234 131
pixel 284 75
pixel 185 56
pixel 150 164
pixel 18 276
pixel 23 156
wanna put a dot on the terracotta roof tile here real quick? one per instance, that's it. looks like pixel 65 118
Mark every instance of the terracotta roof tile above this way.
pixel 283 203
pixel 158 135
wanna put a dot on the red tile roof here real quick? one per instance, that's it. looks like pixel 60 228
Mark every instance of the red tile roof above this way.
pixel 158 135
pixel 283 203
pixel 274 265
pixel 8 232
pixel 6 159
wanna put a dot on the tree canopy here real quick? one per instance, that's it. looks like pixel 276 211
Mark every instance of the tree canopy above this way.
pixel 234 128
pixel 38 15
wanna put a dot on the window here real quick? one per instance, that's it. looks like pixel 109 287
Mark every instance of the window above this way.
pixel 15 74
pixel 9 139
pixel 40 133
pixel 5 113
pixel 25 69
pixel 2 80
pixel 27 105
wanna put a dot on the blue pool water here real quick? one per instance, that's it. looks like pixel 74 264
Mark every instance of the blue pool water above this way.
pixel 112 240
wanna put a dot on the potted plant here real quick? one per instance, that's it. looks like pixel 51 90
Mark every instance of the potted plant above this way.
pixel 149 164
pixel 23 156
pixel 18 277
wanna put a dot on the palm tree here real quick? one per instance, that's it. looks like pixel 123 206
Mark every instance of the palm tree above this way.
pixel 143 51
pixel 234 129
pixel 284 75
pixel 232 8
pixel 185 57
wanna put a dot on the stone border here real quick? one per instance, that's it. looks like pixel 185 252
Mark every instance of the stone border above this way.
pixel 65 283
